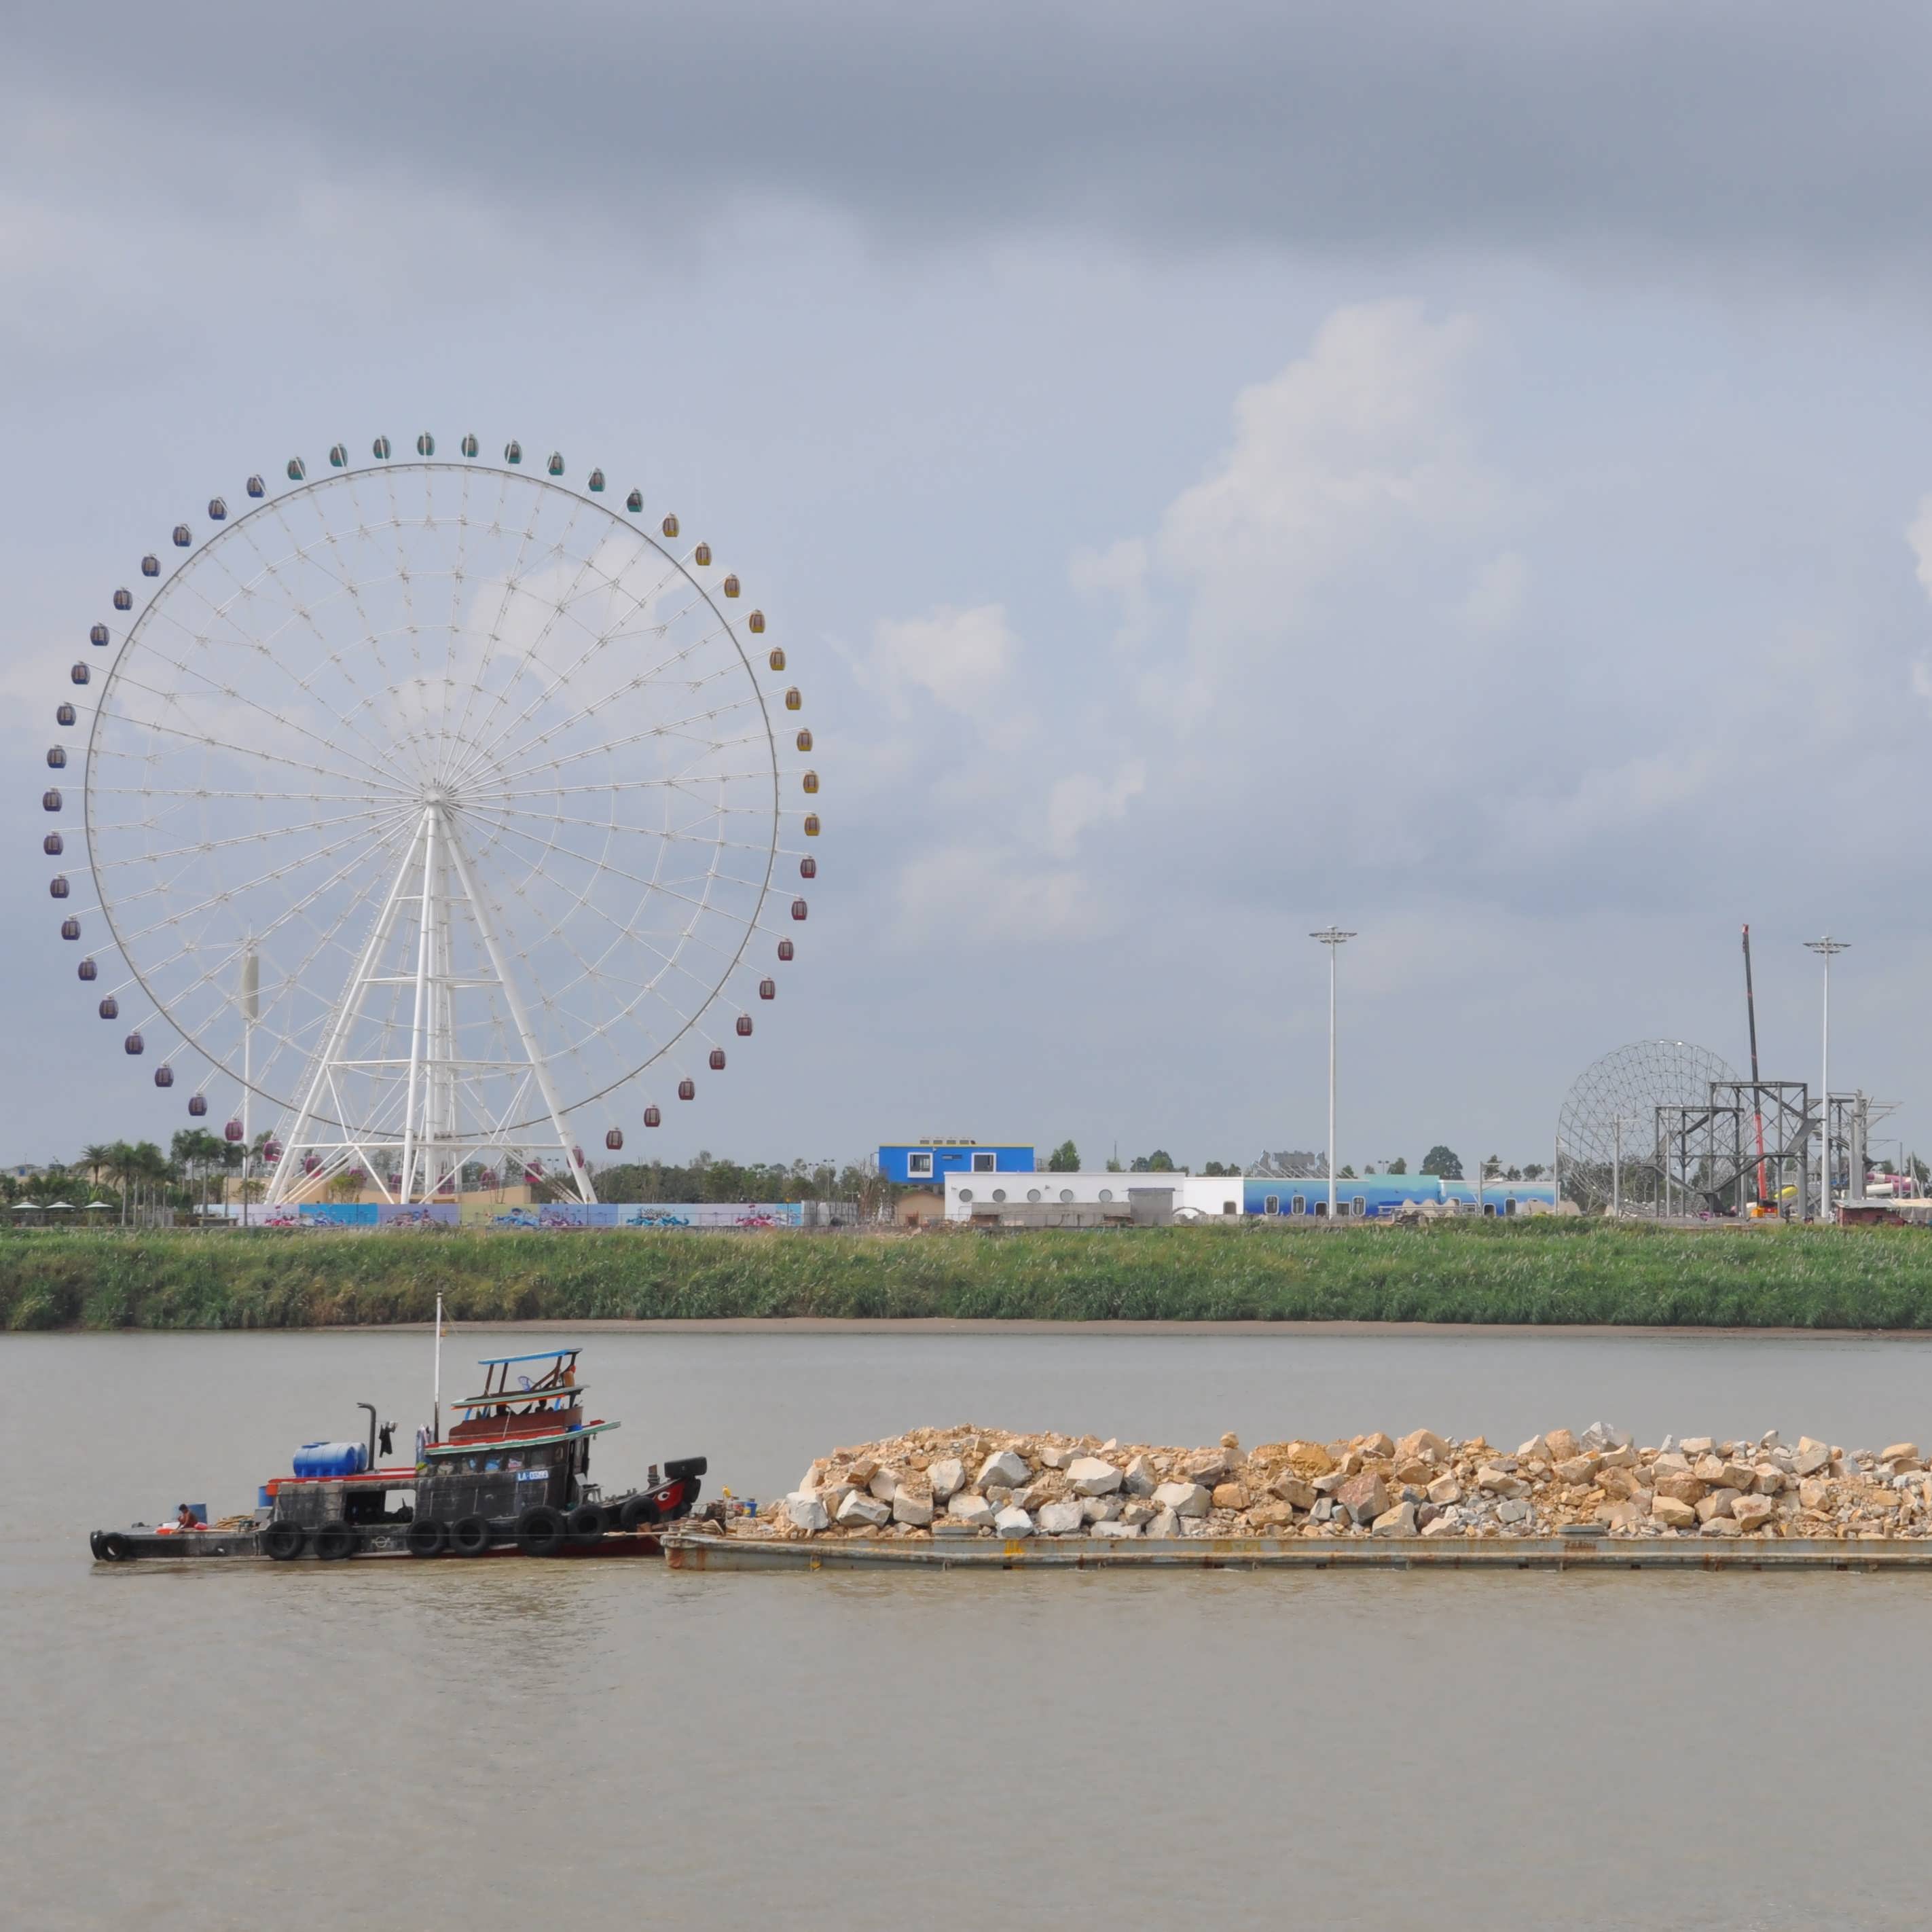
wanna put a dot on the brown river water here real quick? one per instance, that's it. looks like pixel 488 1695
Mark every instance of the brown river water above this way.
pixel 604 1745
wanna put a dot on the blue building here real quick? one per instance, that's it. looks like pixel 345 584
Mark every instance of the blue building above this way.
pixel 927 1163
pixel 1374 1196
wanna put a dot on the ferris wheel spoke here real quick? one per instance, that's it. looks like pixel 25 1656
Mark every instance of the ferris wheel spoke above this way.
pixel 246 531
pixel 657 885
pixel 234 893
pixel 611 640
pixel 669 836
pixel 672 727
pixel 371 769
pixel 209 846
pixel 458 577
pixel 530 651
pixel 245 752
pixel 599 641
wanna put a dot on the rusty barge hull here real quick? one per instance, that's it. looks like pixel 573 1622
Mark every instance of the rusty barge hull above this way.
pixel 192 1549
pixel 1487 1553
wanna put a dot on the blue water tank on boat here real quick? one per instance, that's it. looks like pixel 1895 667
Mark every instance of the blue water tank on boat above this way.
pixel 331 1459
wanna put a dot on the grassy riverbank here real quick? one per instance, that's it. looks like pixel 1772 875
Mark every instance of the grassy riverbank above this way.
pixel 1554 1272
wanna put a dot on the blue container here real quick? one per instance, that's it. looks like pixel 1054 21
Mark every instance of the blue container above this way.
pixel 331 1459
pixel 262 1499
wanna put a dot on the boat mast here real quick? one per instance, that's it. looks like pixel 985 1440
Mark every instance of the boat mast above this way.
pixel 436 1387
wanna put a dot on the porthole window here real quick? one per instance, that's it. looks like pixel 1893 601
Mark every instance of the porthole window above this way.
pixel 965 1193
pixel 1106 1194
pixel 1066 1194
pixel 1032 1193
pixel 999 1194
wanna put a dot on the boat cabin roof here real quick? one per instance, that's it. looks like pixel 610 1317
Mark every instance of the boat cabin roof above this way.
pixel 491 1445
pixel 500 1396
pixel 544 1355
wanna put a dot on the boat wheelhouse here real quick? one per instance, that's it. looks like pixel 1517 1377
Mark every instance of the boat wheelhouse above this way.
pixel 511 1477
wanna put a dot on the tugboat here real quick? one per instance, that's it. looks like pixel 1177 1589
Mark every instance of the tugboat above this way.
pixel 511 1478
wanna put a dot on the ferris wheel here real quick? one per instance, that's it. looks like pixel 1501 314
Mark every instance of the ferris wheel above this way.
pixel 428 806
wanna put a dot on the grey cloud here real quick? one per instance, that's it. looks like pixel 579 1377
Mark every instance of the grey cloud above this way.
pixel 1731 129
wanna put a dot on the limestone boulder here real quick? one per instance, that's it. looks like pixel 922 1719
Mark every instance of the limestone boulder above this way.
pixel 1717 1504
pixel 1399 1521
pixel 1140 1514
pixel 1364 1496
pixel 1672 1514
pixel 1720 1526
pixel 1309 1459
pixel 1810 1458
pixel 861 1511
pixel 1099 1509
pixel 1814 1494
pixel 803 1510
pixel 1062 1518
pixel 1421 1445
pixel 1685 1490
pixel 1012 1524
pixel 1901 1452
pixel 912 1506
pixel 1265 1516
pixel 974 1511
pixel 1003 1469
pixel 1536 1449
pixel 1230 1496
pixel 1751 1513
pixel 1378 1445
pixel 1561 1444
pixel 1204 1465
pixel 1293 1489
pixel 1141 1479
pixel 1186 1499
pixel 1577 1471
pixel 1513 1509
pixel 948 1477
pixel 1163 1525
pixel 1090 1477
pixel 1117 1529
pixel 1494 1482
pixel 1445 1491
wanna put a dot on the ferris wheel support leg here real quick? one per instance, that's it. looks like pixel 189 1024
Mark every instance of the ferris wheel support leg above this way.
pixel 500 966
pixel 345 1014
pixel 425 927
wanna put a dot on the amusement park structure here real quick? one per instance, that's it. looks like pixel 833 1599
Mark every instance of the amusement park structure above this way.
pixel 429 805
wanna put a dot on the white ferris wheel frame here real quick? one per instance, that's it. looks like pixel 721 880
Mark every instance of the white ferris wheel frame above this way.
pixel 432 883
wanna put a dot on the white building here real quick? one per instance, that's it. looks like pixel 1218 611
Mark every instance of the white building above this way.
pixel 1192 1194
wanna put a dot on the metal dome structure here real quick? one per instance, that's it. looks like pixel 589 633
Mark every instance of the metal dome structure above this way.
pixel 432 802
pixel 1608 1150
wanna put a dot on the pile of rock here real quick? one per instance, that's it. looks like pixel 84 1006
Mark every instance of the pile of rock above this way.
pixel 972 1482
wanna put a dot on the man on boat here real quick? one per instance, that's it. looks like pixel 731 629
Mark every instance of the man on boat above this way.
pixel 184 1519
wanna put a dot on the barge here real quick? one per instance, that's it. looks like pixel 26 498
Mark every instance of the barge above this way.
pixel 1571 1552
pixel 511 1478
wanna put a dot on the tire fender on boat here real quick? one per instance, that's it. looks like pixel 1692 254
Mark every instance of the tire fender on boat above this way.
pixel 336 1540
pixel 109 1546
pixel 282 1541
pixel 540 1531
pixel 587 1522
pixel 469 1535
pixel 427 1538
pixel 638 1513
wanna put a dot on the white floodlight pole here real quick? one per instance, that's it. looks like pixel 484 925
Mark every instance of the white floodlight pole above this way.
pixel 1617 1173
pixel 1825 948
pixel 1334 938
pixel 251 1011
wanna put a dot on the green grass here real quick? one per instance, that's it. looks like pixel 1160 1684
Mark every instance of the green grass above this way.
pixel 1551 1271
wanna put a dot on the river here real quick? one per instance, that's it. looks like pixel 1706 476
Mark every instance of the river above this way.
pixel 608 1745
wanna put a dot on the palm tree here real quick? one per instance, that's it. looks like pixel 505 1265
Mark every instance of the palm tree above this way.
pixel 95 1156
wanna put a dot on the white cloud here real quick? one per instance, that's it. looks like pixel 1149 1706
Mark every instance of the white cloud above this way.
pixel 962 659
pixel 1496 595
pixel 1079 801
pixel 975 895
pixel 1919 534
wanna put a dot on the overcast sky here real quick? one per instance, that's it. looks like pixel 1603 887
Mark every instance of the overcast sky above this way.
pixel 1463 473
